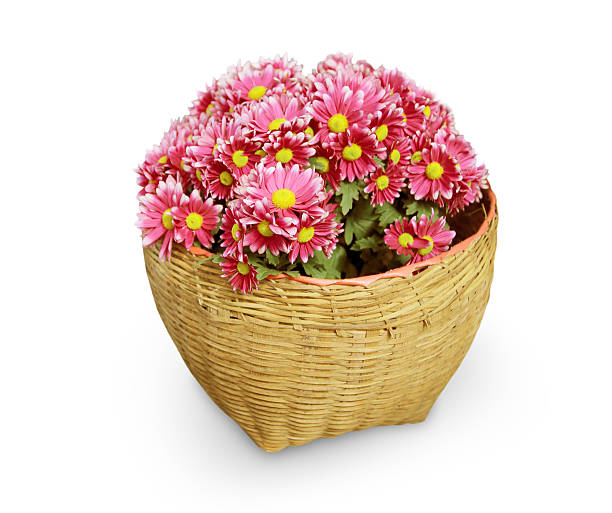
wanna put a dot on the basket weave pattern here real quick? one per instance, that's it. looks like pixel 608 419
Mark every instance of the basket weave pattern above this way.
pixel 294 362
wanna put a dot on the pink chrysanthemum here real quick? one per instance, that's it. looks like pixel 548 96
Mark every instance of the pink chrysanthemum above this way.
pixel 272 112
pixel 287 189
pixel 457 147
pixel 399 153
pixel 468 189
pixel 431 232
pixel 388 125
pixel 326 166
pixel 232 234
pixel 240 274
pixel 287 73
pixel 266 231
pixel 252 84
pixel 156 218
pixel 400 237
pixel 206 145
pixel 239 154
pixel 436 174
pixel 336 108
pixel 287 148
pixel 220 180
pixel 196 218
pixel 203 103
pixel 313 235
pixel 385 186
pixel 355 150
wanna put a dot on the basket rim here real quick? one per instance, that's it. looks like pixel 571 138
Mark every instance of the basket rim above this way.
pixel 399 272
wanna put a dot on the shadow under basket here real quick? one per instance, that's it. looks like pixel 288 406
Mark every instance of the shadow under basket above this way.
pixel 296 361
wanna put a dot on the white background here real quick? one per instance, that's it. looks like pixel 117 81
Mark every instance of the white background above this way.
pixel 97 410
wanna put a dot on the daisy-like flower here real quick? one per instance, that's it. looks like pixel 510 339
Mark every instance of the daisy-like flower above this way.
pixel 469 189
pixel 252 83
pixel 457 147
pixel 270 114
pixel 373 93
pixel 436 174
pixel 399 153
pixel 385 186
pixel 326 166
pixel 265 231
pixel 287 73
pixel 240 274
pixel 400 237
pixel 287 189
pixel 355 150
pixel 437 117
pixel 232 234
pixel 239 154
pixel 156 218
pixel 334 62
pixel 288 148
pixel 220 180
pixel 336 108
pixel 388 124
pixel 431 233
pixel 205 146
pixel 196 218
pixel 312 235
pixel 203 103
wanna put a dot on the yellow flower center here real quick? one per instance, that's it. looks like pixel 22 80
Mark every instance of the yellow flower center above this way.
pixel 275 125
pixel 235 230
pixel 382 132
pixel 309 132
pixel 338 123
pixel 434 170
pixel 306 234
pixel 405 240
pixel 167 220
pixel 260 153
pixel 283 198
pixel 284 155
pixel 199 174
pixel 264 229
pixel 427 111
pixel 226 179
pixel 382 182
pixel 257 92
pixel 427 250
pixel 163 159
pixel 395 156
pixel 416 157
pixel 351 153
pixel 239 158
pixel 243 268
pixel 324 163
pixel 194 221
pixel 209 108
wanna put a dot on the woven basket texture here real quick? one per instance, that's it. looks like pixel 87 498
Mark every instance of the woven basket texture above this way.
pixel 294 362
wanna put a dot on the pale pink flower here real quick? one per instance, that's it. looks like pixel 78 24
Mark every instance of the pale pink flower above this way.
pixel 156 219
pixel 196 218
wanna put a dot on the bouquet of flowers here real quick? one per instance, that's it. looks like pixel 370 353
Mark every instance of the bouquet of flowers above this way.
pixel 344 172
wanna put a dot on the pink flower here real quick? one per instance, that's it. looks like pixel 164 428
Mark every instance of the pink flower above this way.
pixel 264 230
pixel 271 112
pixel 326 166
pixel 388 125
pixel 385 186
pixel 314 234
pixel 288 148
pixel 469 189
pixel 436 174
pixel 252 84
pixel 287 73
pixel 399 154
pixel 457 147
pixel 400 237
pixel 239 154
pixel 205 147
pixel 156 219
pixel 287 189
pixel 203 103
pixel 232 234
pixel 196 219
pixel 432 234
pixel 240 274
pixel 336 108
pixel 220 180
pixel 355 151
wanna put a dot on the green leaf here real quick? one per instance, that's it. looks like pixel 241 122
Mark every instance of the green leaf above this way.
pixel 371 242
pixel 379 161
pixel 419 207
pixel 387 213
pixel 316 163
pixel 360 223
pixel 292 273
pixel 272 259
pixel 349 193
pixel 319 266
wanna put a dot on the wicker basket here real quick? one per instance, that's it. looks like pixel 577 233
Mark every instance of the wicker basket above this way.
pixel 296 361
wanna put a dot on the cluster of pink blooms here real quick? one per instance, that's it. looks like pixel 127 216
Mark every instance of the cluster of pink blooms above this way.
pixel 264 148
